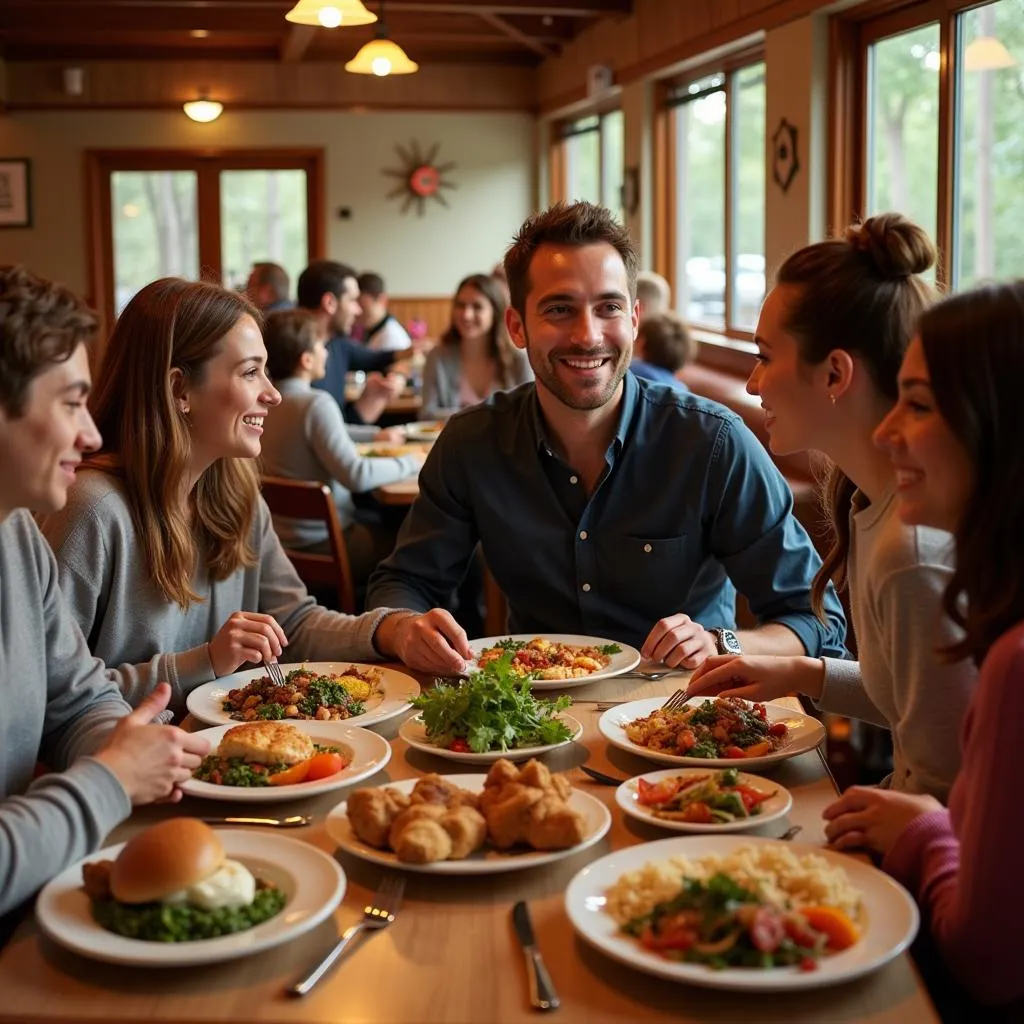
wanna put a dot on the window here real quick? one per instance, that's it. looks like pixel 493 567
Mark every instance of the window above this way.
pixel 943 92
pixel 184 214
pixel 717 132
pixel 593 152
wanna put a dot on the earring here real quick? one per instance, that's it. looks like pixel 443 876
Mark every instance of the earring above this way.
pixel 833 397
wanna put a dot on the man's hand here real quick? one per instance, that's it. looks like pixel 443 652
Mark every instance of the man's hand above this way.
pixel 757 676
pixel 151 761
pixel 432 642
pixel 245 637
pixel 873 819
pixel 390 435
pixel 679 642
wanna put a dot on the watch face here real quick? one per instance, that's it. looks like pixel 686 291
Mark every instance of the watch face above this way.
pixel 728 642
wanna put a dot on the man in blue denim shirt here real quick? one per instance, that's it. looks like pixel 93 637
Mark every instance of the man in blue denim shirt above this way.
pixel 605 505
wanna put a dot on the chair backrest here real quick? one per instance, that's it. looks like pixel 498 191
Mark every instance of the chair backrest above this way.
pixel 311 499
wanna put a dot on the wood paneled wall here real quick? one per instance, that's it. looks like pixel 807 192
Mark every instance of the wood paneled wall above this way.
pixel 436 312
pixel 127 85
pixel 658 34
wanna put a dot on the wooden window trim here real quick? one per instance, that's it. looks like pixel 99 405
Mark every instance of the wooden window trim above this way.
pixel 558 160
pixel 733 339
pixel 101 163
pixel 851 35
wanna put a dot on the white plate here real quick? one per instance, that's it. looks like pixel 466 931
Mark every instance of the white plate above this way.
pixel 889 918
pixel 805 733
pixel 424 430
pixel 487 861
pixel 775 807
pixel 396 690
pixel 628 658
pixel 368 752
pixel 415 734
pixel 312 881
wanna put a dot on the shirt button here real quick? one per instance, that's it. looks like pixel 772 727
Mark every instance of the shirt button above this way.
pixel 586 588
pixel 583 534
pixel 647 548
pixel 574 479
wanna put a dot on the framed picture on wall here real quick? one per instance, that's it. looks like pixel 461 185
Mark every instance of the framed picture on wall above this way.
pixel 15 193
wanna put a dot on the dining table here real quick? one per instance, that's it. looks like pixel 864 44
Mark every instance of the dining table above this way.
pixel 451 955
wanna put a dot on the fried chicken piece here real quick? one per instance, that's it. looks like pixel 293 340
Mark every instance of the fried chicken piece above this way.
pixel 467 830
pixel 507 813
pixel 417 836
pixel 502 771
pixel 372 811
pixel 432 789
pixel 554 825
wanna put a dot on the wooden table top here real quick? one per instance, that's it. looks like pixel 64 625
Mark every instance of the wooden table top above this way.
pixel 451 955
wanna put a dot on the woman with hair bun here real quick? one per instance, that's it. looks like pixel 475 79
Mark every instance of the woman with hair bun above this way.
pixel 830 339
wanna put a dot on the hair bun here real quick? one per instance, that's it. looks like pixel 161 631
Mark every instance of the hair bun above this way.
pixel 896 245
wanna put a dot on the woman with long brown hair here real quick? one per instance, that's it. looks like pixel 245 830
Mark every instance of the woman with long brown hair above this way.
pixel 830 339
pixel 954 441
pixel 475 356
pixel 166 551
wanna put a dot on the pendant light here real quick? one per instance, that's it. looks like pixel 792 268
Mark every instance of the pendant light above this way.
pixel 330 13
pixel 381 56
pixel 203 109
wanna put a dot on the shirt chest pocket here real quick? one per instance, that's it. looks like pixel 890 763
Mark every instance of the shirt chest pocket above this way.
pixel 649 568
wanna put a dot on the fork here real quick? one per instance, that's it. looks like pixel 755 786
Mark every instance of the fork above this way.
pixel 274 671
pixel 676 702
pixel 379 913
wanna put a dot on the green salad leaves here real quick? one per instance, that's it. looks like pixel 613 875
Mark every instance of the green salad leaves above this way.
pixel 491 710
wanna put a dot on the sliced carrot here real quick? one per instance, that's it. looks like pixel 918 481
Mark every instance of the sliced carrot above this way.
pixel 758 749
pixel 841 931
pixel 297 773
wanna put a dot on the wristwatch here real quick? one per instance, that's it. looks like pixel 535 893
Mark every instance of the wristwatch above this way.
pixel 726 641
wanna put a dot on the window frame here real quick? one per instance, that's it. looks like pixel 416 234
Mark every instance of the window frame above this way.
pixel 666 176
pixel 558 158
pixel 101 164
pixel 852 35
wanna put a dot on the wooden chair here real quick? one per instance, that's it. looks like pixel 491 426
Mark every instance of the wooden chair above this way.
pixel 310 499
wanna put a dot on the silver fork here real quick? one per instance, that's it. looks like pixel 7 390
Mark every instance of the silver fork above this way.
pixel 274 671
pixel 378 914
pixel 676 702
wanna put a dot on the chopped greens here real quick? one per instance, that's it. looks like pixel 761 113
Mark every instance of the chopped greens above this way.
pixel 610 649
pixel 492 710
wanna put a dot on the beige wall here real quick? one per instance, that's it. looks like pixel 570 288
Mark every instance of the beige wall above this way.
pixel 495 172
pixel 796 56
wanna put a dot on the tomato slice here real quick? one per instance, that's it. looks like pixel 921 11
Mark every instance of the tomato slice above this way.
pixel 751 797
pixel 676 938
pixel 777 729
pixel 698 813
pixel 323 766
pixel 649 793
pixel 459 746
pixel 734 752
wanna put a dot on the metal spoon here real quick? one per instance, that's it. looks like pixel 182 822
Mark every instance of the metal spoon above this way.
pixel 295 821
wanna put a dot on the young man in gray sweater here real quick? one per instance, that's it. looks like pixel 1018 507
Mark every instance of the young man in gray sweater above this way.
pixel 57 706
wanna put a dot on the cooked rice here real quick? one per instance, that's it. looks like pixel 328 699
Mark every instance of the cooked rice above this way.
pixel 774 871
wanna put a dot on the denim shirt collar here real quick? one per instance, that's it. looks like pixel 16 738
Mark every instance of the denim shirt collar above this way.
pixel 628 404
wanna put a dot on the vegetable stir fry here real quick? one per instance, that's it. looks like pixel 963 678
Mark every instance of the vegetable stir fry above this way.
pixel 713 798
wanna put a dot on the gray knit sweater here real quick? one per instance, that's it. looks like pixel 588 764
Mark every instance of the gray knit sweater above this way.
pixel 143 637
pixel 897 574
pixel 57 706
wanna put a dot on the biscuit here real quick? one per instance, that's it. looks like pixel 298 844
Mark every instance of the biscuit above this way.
pixel 266 743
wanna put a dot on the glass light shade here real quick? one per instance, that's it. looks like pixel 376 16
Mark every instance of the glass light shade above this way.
pixel 986 53
pixel 331 13
pixel 381 57
pixel 203 110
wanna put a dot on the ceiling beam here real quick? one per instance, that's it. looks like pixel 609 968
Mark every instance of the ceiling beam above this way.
pixel 296 42
pixel 560 8
pixel 513 33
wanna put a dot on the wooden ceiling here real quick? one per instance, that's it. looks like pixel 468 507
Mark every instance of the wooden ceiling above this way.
pixel 496 32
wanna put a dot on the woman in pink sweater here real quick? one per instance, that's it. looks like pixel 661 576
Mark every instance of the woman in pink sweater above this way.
pixel 954 439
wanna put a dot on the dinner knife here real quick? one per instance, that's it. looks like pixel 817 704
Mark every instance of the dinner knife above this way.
pixel 542 991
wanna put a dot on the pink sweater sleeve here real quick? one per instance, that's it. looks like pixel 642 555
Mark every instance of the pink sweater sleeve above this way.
pixel 964 864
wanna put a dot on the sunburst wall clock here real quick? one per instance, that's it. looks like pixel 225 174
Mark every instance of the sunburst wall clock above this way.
pixel 420 177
